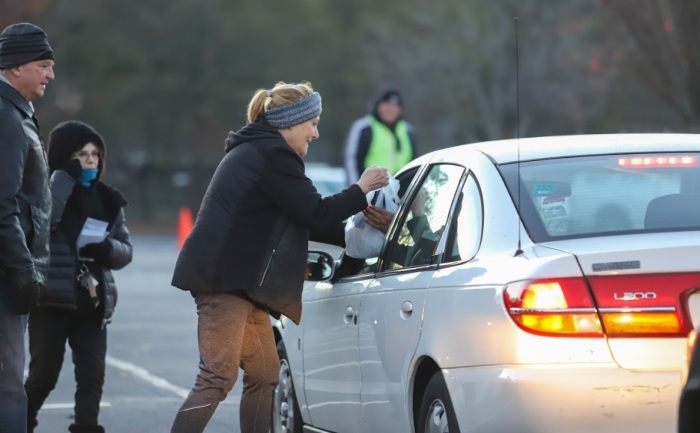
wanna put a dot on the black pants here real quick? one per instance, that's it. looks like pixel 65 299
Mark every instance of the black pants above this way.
pixel 48 332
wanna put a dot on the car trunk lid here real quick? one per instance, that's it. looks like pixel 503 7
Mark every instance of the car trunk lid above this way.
pixel 647 291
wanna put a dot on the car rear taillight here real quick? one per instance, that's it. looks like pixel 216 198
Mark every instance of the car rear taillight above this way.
pixel 625 305
pixel 561 307
pixel 647 305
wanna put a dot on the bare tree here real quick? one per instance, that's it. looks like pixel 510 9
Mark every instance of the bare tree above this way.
pixel 457 62
pixel 667 37
pixel 20 10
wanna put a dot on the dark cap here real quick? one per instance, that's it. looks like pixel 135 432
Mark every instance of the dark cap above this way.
pixel 23 43
pixel 391 96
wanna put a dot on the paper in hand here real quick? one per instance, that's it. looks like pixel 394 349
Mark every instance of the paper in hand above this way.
pixel 93 231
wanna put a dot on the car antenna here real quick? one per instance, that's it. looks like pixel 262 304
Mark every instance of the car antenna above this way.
pixel 519 251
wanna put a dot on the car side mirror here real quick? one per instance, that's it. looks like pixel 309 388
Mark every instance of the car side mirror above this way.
pixel 320 266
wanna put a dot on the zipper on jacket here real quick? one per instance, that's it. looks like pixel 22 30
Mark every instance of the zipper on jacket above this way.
pixel 267 267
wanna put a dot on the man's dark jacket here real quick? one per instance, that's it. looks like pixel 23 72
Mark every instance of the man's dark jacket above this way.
pixel 25 199
pixel 251 234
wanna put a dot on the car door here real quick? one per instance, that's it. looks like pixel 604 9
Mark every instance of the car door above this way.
pixel 391 305
pixel 331 355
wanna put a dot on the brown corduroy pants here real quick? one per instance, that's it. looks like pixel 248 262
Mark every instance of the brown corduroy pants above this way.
pixel 233 334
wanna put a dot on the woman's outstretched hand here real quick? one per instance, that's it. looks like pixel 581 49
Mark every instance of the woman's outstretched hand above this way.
pixel 373 178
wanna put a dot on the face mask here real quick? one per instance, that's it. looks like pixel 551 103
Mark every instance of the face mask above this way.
pixel 87 176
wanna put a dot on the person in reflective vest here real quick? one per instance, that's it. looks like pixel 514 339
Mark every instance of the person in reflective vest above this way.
pixel 381 138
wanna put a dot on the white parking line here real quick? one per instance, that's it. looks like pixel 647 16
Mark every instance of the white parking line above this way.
pixel 146 376
pixel 143 374
pixel 69 405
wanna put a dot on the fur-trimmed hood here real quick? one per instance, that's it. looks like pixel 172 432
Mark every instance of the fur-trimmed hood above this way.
pixel 69 137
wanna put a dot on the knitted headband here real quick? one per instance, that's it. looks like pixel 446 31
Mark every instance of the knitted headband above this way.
pixel 296 113
pixel 23 43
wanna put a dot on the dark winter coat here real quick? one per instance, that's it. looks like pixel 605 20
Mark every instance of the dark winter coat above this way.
pixel 251 233
pixel 25 200
pixel 63 290
pixel 103 202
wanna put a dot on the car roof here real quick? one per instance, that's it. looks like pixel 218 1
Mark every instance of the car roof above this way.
pixel 533 148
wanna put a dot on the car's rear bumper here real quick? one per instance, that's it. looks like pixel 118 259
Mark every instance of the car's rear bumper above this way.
pixel 564 398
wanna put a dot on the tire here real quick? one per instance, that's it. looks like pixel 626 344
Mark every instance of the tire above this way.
pixel 436 412
pixel 286 417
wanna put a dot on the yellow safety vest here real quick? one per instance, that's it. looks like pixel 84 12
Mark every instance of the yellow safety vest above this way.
pixel 384 151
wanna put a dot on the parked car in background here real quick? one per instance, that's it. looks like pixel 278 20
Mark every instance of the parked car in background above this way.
pixel 689 407
pixel 327 179
pixel 535 285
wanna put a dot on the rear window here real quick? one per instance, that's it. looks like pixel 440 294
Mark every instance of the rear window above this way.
pixel 606 195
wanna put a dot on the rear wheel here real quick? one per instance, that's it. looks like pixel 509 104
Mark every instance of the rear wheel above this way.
pixel 436 412
pixel 286 417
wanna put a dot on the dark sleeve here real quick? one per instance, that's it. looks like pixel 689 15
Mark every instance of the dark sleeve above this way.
pixel 293 192
pixel 61 188
pixel 417 226
pixel 363 149
pixel 334 235
pixel 412 139
pixel 15 257
pixel 121 251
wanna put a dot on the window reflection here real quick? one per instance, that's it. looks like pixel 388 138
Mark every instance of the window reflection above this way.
pixel 422 227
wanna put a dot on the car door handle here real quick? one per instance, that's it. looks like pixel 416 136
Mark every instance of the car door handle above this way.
pixel 406 309
pixel 349 314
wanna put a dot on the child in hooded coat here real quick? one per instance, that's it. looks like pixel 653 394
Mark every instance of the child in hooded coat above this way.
pixel 81 294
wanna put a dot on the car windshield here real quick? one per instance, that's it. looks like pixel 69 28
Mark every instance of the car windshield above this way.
pixel 603 195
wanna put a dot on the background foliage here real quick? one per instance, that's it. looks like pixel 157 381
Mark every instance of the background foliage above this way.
pixel 165 80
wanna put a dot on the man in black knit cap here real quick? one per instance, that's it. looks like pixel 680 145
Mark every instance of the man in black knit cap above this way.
pixel 26 67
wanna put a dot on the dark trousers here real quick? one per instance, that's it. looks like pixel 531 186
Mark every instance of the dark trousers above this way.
pixel 49 330
pixel 13 402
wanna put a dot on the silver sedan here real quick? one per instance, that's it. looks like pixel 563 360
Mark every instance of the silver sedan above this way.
pixel 543 285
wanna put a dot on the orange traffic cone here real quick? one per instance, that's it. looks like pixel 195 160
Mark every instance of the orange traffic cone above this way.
pixel 184 226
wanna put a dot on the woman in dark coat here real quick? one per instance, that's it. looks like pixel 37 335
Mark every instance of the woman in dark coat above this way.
pixel 245 257
pixel 81 294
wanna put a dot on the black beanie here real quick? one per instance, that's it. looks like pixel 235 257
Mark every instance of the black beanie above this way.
pixel 23 43
pixel 392 96
pixel 69 137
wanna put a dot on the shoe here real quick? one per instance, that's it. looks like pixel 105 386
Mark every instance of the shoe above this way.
pixel 86 428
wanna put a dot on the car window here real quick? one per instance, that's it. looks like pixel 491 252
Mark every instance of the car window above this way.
pixel 466 224
pixel 416 239
pixel 606 194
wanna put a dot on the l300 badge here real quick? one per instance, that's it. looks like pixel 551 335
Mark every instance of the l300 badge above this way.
pixel 616 266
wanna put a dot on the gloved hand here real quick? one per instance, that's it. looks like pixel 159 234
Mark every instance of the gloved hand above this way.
pixel 25 297
pixel 73 168
pixel 99 251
